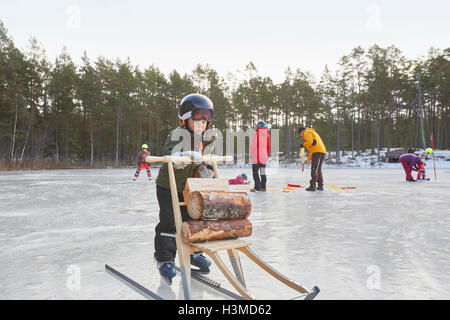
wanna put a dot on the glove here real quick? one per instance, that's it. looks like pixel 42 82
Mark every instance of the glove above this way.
pixel 196 156
pixel 204 172
pixel 314 142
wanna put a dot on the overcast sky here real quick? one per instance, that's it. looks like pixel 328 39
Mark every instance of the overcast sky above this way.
pixel 228 34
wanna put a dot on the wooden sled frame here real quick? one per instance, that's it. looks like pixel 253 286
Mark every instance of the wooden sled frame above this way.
pixel 212 248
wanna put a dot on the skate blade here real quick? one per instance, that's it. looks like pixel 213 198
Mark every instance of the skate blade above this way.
pixel 166 281
pixel 198 271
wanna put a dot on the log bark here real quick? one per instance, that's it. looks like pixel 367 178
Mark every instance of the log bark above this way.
pixel 218 205
pixel 204 230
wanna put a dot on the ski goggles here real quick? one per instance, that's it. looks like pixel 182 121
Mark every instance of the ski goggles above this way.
pixel 202 114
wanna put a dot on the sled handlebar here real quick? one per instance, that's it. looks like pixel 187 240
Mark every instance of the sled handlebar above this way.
pixel 177 159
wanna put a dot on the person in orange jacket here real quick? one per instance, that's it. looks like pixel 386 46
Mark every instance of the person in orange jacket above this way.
pixel 317 152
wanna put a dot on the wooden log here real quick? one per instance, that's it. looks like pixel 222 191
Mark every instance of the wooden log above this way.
pixel 205 184
pixel 204 230
pixel 218 205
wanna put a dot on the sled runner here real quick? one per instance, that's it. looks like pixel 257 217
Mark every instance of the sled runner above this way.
pixel 133 284
pixel 233 246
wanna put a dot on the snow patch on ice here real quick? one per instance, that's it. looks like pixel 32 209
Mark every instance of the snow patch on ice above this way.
pixel 365 160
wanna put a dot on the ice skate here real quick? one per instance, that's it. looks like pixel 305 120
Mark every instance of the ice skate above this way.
pixel 201 262
pixel 167 271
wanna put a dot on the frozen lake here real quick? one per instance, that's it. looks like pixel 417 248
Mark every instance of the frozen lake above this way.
pixel 386 239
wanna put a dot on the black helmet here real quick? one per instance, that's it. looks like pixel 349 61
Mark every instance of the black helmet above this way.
pixel 194 102
pixel 300 129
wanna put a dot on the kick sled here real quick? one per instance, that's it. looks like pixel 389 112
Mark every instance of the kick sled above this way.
pixel 189 238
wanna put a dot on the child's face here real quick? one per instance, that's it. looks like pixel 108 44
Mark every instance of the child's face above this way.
pixel 198 127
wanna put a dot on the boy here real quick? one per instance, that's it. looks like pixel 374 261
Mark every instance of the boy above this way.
pixel 195 112
pixel 140 158
pixel 260 151
pixel 317 152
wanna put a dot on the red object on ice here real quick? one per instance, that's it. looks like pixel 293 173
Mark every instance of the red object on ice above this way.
pixel 238 180
pixel 295 186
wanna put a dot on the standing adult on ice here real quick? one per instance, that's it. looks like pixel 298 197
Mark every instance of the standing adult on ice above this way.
pixel 195 112
pixel 260 151
pixel 140 158
pixel 410 162
pixel 317 152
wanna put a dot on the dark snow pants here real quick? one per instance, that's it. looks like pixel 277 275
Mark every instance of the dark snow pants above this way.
pixel 260 183
pixel 165 243
pixel 316 169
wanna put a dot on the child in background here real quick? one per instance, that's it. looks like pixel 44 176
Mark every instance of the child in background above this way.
pixel 140 158
pixel 410 162
pixel 421 166
pixel 241 179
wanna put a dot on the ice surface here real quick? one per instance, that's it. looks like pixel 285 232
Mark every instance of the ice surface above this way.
pixel 387 239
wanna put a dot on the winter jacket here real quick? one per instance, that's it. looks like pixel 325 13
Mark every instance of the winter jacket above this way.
pixel 181 175
pixel 141 155
pixel 238 180
pixel 260 146
pixel 412 160
pixel 312 142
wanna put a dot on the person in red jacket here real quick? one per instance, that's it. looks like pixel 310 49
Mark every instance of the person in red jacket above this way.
pixel 421 166
pixel 240 179
pixel 260 151
pixel 140 158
